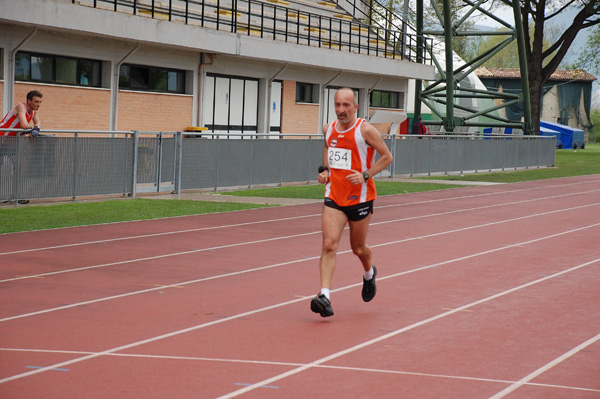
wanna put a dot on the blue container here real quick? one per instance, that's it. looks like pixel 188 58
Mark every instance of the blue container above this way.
pixel 571 137
pixel 544 131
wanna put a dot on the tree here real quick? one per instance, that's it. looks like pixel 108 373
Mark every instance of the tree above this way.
pixel 589 59
pixel 542 62
pixel 509 56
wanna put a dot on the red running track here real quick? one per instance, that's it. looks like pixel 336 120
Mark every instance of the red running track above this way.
pixel 483 292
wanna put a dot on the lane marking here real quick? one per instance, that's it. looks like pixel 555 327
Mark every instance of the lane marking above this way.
pixel 546 367
pixel 275 363
pixel 397 332
pixel 264 386
pixel 41 367
pixel 317 257
pixel 297 370
pixel 314 232
pixel 284 219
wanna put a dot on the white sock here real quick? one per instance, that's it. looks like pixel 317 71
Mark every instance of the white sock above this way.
pixel 326 292
pixel 368 275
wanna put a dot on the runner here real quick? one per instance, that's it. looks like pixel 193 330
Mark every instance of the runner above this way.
pixel 350 145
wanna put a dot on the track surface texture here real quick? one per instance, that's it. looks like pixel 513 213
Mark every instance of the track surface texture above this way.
pixel 483 292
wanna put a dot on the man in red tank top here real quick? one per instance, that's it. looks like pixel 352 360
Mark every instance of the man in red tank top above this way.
pixel 24 115
pixel 347 169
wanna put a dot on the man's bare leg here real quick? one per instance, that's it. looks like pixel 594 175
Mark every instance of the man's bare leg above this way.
pixel 358 241
pixel 334 222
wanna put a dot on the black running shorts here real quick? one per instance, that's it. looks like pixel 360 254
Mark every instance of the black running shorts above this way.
pixel 353 212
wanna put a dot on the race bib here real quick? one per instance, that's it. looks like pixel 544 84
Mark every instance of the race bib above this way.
pixel 339 158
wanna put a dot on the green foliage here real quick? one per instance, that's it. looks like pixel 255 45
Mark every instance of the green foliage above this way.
pixel 508 57
pixel 589 58
pixel 596 122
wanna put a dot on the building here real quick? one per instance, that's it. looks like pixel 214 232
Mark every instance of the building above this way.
pixel 239 67
pixel 567 96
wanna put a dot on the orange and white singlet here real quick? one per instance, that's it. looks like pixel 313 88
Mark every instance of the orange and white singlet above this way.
pixel 11 121
pixel 348 151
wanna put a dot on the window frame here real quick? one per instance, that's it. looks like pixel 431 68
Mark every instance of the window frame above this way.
pixel 96 80
pixel 396 94
pixel 314 99
pixel 148 73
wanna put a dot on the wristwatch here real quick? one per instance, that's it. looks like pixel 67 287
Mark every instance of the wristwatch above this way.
pixel 366 176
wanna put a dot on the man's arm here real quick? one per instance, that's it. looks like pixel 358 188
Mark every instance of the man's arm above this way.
pixel 374 139
pixel 323 176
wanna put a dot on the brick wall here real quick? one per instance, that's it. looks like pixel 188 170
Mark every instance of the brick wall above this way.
pixel 154 111
pixel 89 109
pixel 69 107
pixel 297 118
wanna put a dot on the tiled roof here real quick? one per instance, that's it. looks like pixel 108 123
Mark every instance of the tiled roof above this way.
pixel 514 73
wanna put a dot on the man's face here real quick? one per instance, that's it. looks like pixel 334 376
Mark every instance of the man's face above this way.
pixel 35 103
pixel 345 106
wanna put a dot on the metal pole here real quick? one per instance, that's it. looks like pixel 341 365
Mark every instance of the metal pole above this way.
pixel 135 164
pixel 449 123
pixel 159 161
pixel 178 162
pixel 75 165
pixel 18 168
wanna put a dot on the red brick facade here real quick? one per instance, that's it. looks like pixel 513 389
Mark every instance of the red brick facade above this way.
pixel 84 108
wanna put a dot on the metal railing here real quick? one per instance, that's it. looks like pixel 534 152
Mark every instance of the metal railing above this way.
pixel 73 164
pixel 277 22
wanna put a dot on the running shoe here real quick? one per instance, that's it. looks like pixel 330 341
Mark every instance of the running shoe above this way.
pixel 320 304
pixel 369 288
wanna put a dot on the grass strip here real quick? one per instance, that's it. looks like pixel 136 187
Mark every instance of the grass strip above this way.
pixel 120 210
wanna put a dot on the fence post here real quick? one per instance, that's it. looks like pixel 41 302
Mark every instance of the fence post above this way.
pixel 217 168
pixel 309 159
pixel 18 168
pixel 393 150
pixel 75 165
pixel 159 161
pixel 178 162
pixel 135 163
pixel 281 163
pixel 252 160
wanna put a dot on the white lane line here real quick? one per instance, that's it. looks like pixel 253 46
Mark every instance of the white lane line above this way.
pixel 365 344
pixel 157 234
pixel 545 368
pixel 317 257
pixel 290 364
pixel 292 218
pixel 303 367
pixel 305 234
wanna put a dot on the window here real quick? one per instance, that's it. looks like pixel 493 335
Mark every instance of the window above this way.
pixel 56 69
pixel 386 99
pixel 306 93
pixel 137 77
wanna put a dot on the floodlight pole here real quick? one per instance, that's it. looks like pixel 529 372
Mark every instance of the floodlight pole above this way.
pixel 528 122
pixel 420 50
pixel 450 83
